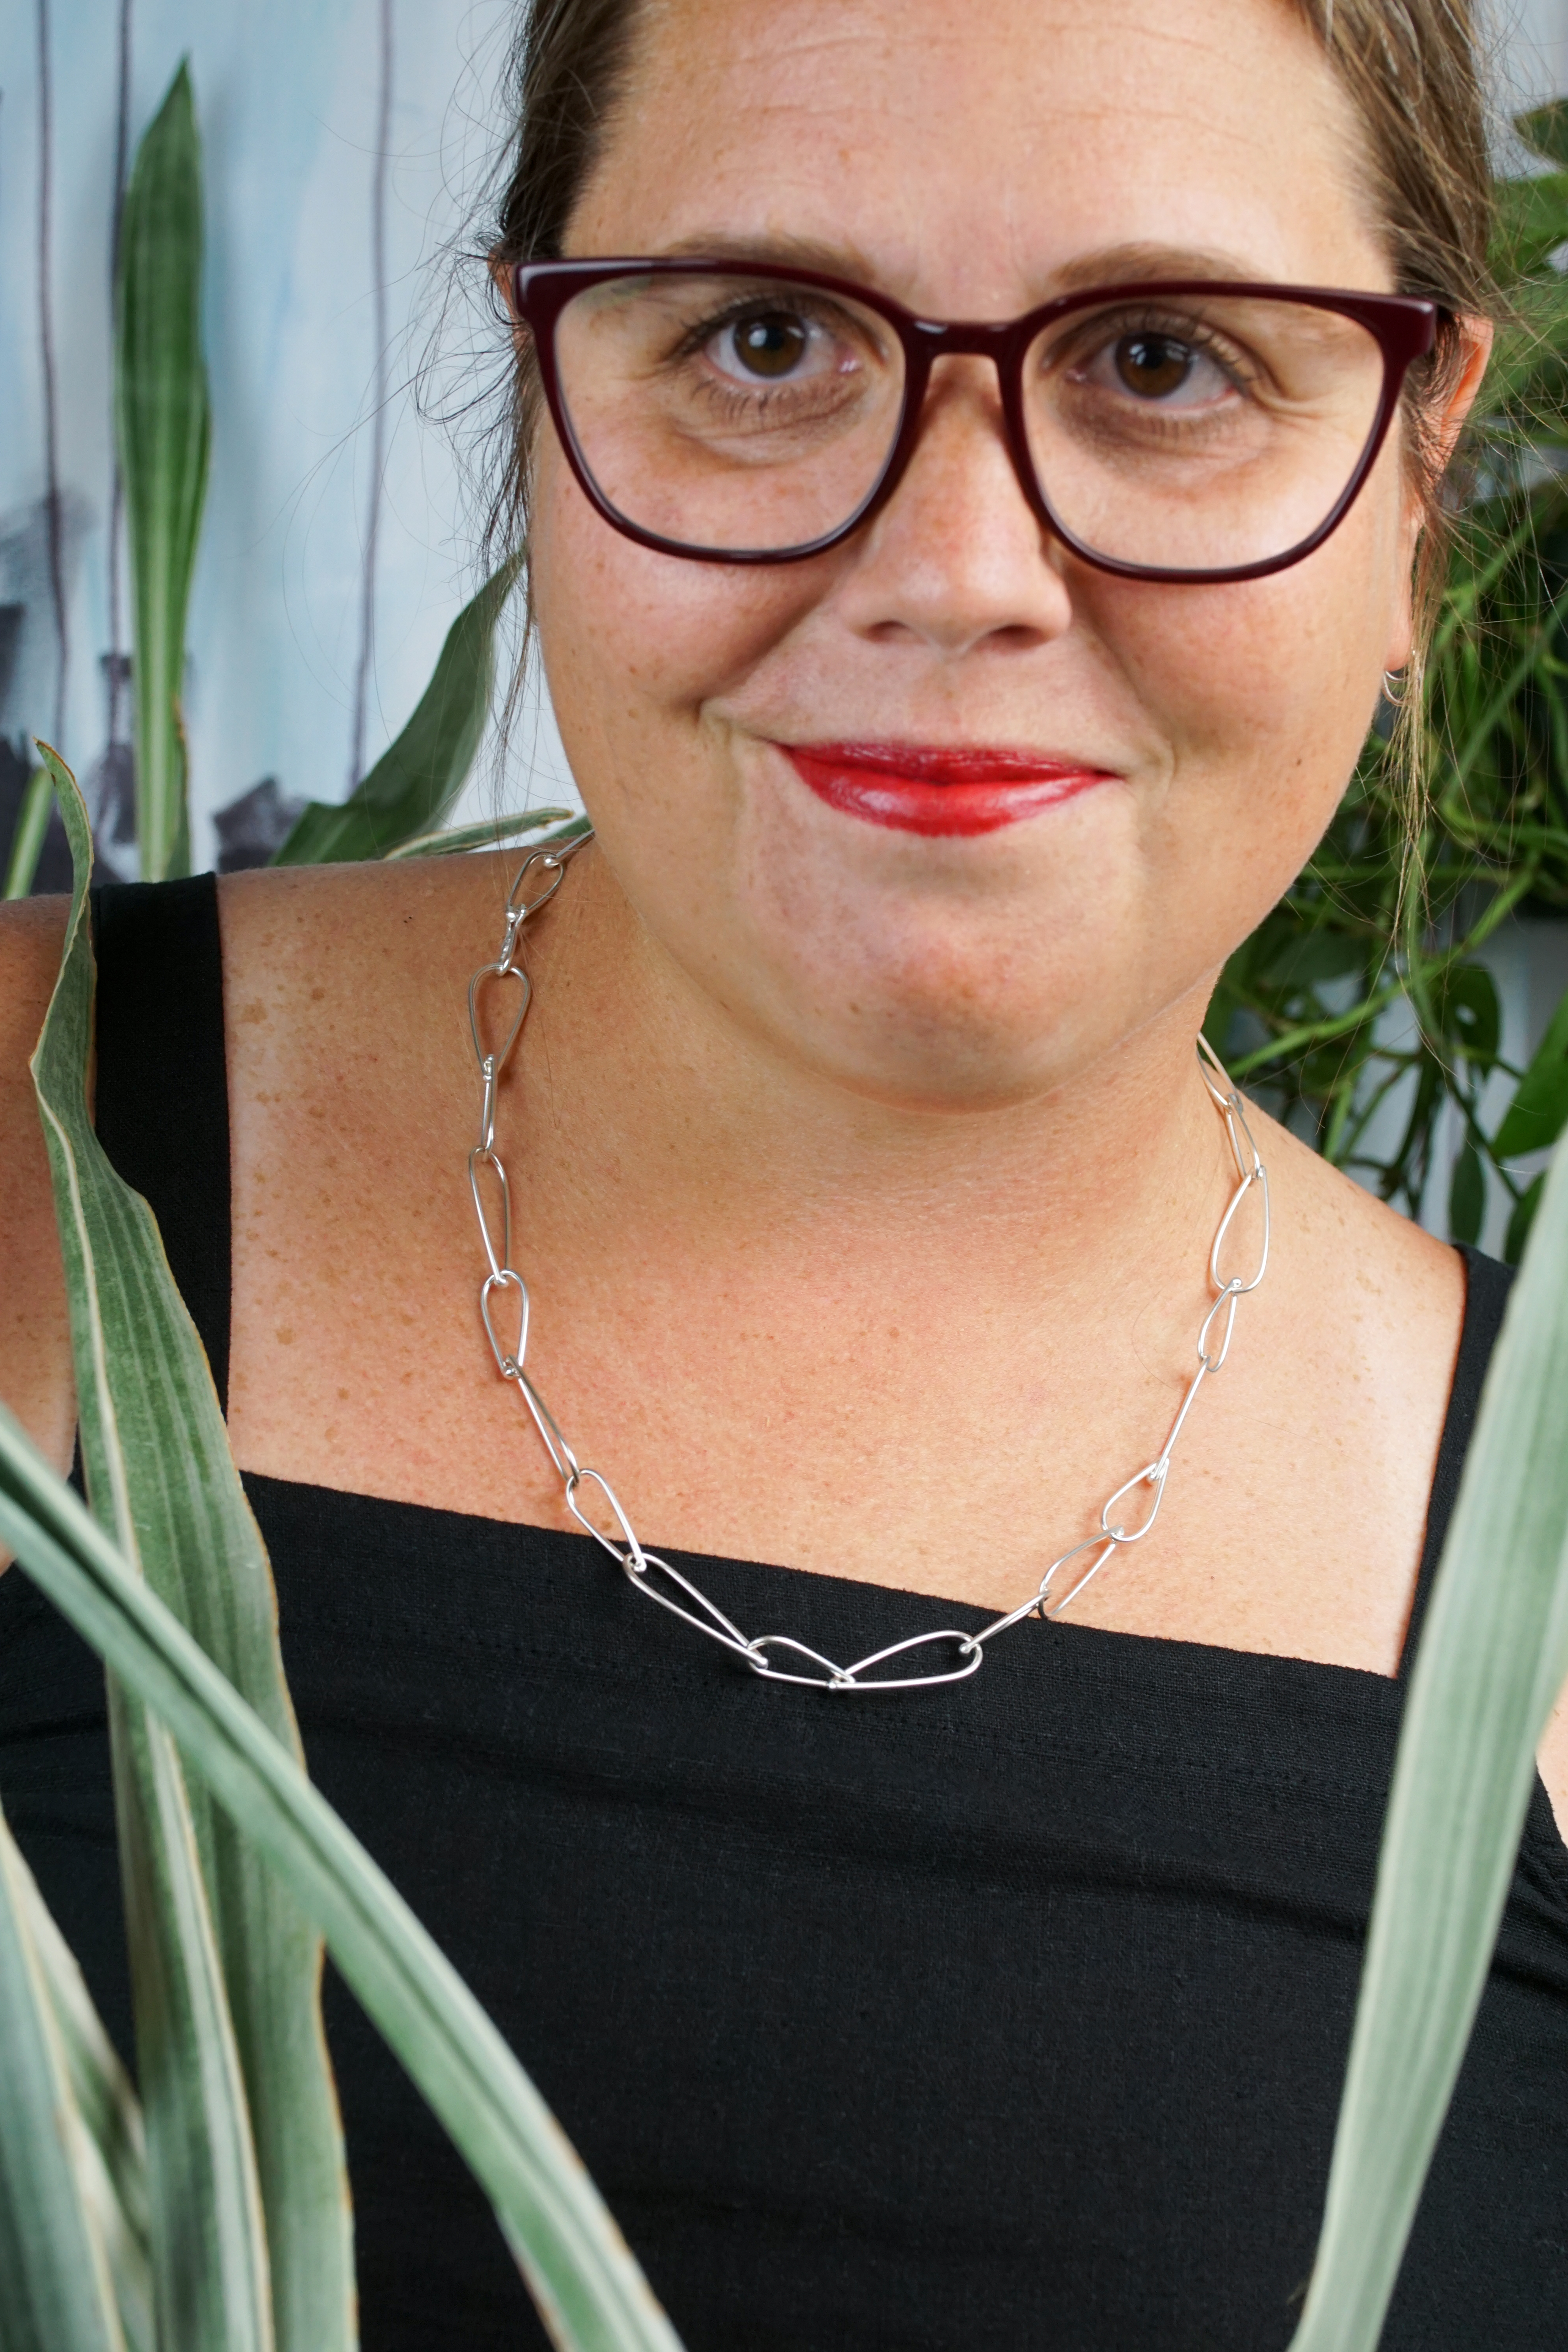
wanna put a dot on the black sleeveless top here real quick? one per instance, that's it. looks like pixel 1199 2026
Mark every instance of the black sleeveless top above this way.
pixel 1009 2016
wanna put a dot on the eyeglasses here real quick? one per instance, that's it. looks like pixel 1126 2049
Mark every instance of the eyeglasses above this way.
pixel 1186 429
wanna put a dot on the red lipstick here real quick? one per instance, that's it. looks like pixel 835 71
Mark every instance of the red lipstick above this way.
pixel 937 788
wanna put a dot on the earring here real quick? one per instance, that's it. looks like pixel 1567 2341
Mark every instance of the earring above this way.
pixel 1396 687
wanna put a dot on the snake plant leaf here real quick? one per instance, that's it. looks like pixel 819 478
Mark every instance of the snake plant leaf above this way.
pixel 162 418
pixel 494 833
pixel 108 2138
pixel 161 1475
pixel 27 838
pixel 589 2290
pixel 211 2276
pixel 211 2268
pixel 1492 1659
pixel 55 2280
pixel 416 779
pixel 1536 1116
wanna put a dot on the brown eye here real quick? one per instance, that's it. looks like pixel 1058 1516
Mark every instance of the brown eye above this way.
pixel 770 345
pixel 1153 366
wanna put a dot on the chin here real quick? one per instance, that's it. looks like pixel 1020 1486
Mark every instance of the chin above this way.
pixel 947 1033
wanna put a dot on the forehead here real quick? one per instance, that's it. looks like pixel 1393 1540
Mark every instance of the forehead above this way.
pixel 964 152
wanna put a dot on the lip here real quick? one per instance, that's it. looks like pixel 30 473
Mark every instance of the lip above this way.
pixel 960 788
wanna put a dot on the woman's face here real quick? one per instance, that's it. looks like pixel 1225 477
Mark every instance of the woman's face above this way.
pixel 970 162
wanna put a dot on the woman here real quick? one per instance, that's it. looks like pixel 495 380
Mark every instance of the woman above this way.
pixel 940 745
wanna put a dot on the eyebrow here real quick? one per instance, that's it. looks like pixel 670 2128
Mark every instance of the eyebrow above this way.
pixel 788 252
pixel 1117 265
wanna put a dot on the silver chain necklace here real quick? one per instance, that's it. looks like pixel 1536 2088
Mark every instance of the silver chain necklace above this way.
pixel 654 1578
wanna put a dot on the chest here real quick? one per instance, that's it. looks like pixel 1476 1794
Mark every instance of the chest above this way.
pixel 799 1401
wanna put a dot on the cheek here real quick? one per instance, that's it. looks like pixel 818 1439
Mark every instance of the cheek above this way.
pixel 1263 691
pixel 632 639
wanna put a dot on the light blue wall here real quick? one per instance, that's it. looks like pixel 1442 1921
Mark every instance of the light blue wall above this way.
pixel 288 96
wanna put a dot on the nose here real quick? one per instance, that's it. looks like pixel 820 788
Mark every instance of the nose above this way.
pixel 957 559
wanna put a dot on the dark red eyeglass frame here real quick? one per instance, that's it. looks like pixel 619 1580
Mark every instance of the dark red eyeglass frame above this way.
pixel 1404 328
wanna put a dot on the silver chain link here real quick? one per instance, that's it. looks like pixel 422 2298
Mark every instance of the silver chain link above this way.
pixel 503 1292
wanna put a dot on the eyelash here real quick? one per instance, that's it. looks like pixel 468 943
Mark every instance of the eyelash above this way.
pixel 697 338
pixel 1190 332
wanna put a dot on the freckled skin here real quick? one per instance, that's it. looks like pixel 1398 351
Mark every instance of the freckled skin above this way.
pixel 863 1185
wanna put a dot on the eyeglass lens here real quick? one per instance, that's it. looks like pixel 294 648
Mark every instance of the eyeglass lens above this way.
pixel 1187 433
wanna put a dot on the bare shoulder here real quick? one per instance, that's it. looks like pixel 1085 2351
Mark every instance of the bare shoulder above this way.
pixel 1365 1312
pixel 288 925
pixel 1403 1296
pixel 1375 1282
pixel 34 1338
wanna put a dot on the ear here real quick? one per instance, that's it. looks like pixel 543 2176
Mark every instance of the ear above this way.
pixel 1454 404
pixel 1476 336
pixel 501 276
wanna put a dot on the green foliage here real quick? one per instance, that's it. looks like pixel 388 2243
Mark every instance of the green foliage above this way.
pixel 102 2116
pixel 164 430
pixel 27 840
pixel 416 779
pixel 587 2285
pixel 58 2287
pixel 1363 992
pixel 241 2115
pixel 1492 1659
pixel 560 825
pixel 164 421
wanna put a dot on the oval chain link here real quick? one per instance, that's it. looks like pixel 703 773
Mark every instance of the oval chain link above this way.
pixel 654 1578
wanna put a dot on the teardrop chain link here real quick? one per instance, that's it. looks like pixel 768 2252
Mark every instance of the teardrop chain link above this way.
pixel 1125 1518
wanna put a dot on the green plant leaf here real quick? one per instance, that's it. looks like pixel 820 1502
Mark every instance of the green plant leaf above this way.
pixel 1520 1221
pixel 103 2116
pixel 589 2288
pixel 164 421
pixel 57 2287
pixel 209 2243
pixel 1531 222
pixel 494 833
pixel 1545 130
pixel 1305 959
pixel 1536 1116
pixel 416 779
pixel 161 1475
pixel 1491 1662
pixel 1466 1195
pixel 27 840
pixel 1464 1004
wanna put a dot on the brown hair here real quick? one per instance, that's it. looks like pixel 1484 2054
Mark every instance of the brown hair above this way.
pixel 1410 69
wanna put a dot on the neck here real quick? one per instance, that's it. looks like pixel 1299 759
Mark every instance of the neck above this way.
pixel 664 1116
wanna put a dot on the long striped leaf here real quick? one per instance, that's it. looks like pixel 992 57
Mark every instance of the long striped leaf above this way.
pixel 211 2278
pixel 589 2288
pixel 560 824
pixel 160 1476
pixel 1493 1656
pixel 57 2287
pixel 417 778
pixel 164 421
pixel 27 839
pixel 209 2238
pixel 110 2143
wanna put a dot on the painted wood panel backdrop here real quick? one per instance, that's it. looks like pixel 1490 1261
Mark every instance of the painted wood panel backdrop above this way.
pixel 343 144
